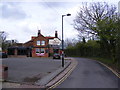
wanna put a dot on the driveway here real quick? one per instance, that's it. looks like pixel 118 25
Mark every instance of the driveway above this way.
pixel 29 70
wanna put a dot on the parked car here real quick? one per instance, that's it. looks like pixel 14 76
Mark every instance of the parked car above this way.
pixel 56 56
pixel 3 55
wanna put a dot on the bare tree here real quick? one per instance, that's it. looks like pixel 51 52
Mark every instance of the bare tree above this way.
pixel 3 36
pixel 90 14
pixel 70 42
pixel 4 44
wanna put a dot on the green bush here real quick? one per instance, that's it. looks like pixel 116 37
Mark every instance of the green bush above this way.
pixel 90 49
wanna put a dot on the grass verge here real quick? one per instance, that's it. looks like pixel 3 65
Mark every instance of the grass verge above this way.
pixel 109 63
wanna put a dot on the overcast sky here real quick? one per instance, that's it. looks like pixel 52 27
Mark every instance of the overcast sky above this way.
pixel 21 20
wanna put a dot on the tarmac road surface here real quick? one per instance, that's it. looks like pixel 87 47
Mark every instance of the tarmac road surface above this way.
pixel 30 69
pixel 90 74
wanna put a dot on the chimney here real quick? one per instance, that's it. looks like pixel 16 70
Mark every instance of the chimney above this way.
pixel 39 32
pixel 56 34
pixel 33 37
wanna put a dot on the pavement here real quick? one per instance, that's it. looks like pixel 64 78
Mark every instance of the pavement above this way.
pixel 32 72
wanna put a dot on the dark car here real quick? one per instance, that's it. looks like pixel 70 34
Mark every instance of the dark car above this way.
pixel 3 55
pixel 56 56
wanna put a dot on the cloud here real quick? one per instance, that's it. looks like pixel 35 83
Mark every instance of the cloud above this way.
pixel 56 4
pixel 22 20
pixel 52 4
pixel 12 11
pixel 29 17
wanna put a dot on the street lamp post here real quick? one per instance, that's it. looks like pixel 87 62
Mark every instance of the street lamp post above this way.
pixel 63 40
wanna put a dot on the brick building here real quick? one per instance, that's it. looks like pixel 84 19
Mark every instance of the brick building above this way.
pixel 38 46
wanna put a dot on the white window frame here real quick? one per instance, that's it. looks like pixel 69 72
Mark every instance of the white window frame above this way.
pixel 41 50
pixel 38 50
pixel 38 42
pixel 42 42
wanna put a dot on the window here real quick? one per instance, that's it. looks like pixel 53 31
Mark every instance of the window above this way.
pixel 40 50
pixel 11 51
pixel 42 42
pixel 21 52
pixel 37 50
pixel 38 42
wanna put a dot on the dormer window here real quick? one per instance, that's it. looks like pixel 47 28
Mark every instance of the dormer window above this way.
pixel 38 43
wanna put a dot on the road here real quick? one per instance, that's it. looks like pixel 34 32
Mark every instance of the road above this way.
pixel 90 74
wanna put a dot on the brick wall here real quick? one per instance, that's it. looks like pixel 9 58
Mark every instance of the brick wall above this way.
pixel 35 46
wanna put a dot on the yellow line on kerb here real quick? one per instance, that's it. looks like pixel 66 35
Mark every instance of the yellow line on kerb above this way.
pixel 110 69
pixel 62 79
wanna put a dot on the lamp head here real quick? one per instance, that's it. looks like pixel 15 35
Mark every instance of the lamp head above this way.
pixel 68 14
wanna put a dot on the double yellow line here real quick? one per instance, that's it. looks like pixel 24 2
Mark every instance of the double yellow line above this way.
pixel 62 79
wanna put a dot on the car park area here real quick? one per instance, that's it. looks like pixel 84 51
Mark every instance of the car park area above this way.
pixel 29 70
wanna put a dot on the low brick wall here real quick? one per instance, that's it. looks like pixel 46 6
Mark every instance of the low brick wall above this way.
pixel 3 73
pixel 17 55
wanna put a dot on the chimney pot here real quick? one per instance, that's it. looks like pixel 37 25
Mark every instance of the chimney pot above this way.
pixel 56 34
pixel 39 32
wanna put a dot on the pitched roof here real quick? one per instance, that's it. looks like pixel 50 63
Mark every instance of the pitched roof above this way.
pixel 50 37
pixel 17 44
pixel 33 37
pixel 28 41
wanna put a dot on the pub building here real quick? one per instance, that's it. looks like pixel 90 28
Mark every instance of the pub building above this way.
pixel 38 46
